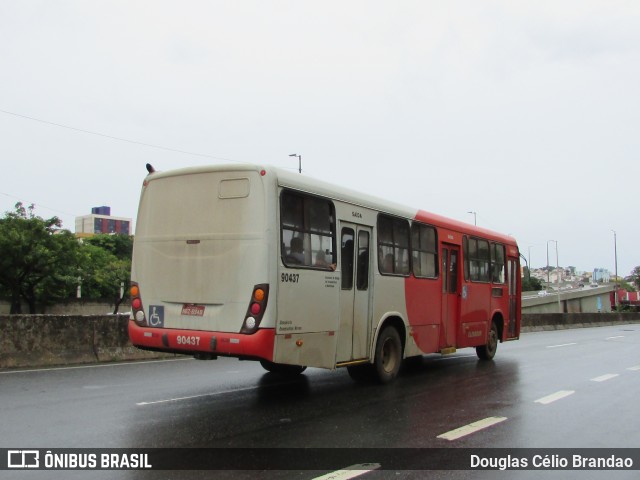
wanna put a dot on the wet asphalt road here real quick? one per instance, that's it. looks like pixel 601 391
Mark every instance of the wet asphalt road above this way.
pixel 566 389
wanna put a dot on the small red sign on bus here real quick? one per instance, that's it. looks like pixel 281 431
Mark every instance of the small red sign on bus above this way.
pixel 193 310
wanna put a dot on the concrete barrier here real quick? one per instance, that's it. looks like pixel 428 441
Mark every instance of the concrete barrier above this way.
pixel 47 340
pixel 535 322
pixel 586 300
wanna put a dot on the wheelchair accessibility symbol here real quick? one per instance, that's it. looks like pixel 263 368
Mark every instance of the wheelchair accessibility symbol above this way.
pixel 156 316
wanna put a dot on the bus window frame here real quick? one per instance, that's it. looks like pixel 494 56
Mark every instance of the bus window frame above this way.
pixel 494 246
pixel 435 253
pixel 307 229
pixel 468 259
pixel 395 220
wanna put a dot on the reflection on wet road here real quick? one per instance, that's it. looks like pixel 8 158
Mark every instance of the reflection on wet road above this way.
pixel 570 388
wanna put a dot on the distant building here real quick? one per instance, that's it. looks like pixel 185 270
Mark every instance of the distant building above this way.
pixel 101 221
pixel 601 275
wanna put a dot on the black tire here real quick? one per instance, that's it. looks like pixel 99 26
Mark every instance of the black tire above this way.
pixel 488 351
pixel 281 369
pixel 388 359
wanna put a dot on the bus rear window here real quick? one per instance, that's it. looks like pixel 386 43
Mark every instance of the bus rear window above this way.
pixel 201 204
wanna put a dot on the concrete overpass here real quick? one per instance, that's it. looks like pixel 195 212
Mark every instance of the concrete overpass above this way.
pixel 583 300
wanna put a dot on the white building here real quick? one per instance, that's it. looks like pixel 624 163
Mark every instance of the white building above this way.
pixel 101 221
pixel 601 275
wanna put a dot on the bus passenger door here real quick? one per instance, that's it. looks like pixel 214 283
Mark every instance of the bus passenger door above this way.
pixel 355 259
pixel 450 294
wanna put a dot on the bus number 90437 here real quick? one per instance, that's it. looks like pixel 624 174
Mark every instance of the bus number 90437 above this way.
pixel 184 340
pixel 290 277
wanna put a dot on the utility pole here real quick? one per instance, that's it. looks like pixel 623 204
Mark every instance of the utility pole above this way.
pixel 615 253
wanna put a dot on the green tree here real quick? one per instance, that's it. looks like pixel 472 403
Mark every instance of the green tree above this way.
pixel 635 277
pixel 530 284
pixel 37 259
pixel 117 244
pixel 105 267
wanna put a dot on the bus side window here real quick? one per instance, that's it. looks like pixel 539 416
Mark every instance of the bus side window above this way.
pixel 346 261
pixel 453 272
pixel 307 226
pixel 362 281
pixel 498 274
pixel 424 249
pixel 393 245
pixel 445 270
pixel 479 260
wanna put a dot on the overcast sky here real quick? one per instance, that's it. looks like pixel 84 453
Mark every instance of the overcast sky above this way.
pixel 527 113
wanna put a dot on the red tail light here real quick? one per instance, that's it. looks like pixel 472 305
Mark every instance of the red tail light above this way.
pixel 256 309
pixel 136 305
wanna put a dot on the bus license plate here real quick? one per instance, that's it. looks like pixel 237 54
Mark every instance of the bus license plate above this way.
pixel 193 310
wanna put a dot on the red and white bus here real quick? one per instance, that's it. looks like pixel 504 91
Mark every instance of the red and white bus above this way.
pixel 263 264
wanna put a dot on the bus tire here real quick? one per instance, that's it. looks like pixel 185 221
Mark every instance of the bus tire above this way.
pixel 488 351
pixel 282 369
pixel 388 357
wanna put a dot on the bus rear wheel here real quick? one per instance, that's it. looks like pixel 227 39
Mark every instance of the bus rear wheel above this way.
pixel 388 357
pixel 488 351
pixel 282 369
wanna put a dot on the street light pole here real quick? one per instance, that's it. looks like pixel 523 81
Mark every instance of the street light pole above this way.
pixel 299 161
pixel 557 272
pixel 615 253
pixel 548 280
pixel 557 264
pixel 474 217
pixel 559 275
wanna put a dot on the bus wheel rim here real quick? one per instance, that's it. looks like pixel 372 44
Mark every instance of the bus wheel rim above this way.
pixel 493 340
pixel 389 355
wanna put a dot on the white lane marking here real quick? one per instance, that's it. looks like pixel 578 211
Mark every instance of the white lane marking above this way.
pixel 212 394
pixel 562 345
pixel 611 338
pixel 115 385
pixel 554 397
pixel 634 369
pixel 604 378
pixel 350 472
pixel 100 365
pixel 471 428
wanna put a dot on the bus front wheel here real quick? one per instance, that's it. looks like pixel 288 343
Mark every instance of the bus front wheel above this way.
pixel 488 351
pixel 282 369
pixel 388 357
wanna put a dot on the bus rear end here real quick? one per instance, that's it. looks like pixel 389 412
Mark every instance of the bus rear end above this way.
pixel 200 267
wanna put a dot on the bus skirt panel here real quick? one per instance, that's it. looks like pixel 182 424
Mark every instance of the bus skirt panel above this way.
pixel 189 342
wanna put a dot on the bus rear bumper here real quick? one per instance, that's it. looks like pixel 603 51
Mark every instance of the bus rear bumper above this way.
pixel 191 342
